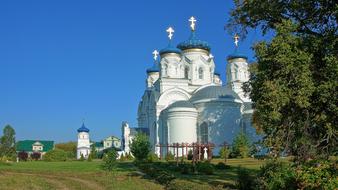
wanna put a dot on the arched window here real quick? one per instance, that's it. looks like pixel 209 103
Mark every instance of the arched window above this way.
pixel 186 72
pixel 204 133
pixel 200 73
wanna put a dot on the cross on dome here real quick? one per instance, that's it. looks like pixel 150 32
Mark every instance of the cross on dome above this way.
pixel 192 25
pixel 170 32
pixel 236 38
pixel 155 53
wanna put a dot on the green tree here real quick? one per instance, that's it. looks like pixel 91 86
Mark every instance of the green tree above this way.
pixel 240 146
pixel 140 147
pixel 294 85
pixel 224 153
pixel 55 155
pixel 69 147
pixel 109 160
pixel 7 142
pixel 93 152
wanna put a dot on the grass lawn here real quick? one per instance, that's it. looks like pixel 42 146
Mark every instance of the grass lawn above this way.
pixel 88 175
pixel 71 175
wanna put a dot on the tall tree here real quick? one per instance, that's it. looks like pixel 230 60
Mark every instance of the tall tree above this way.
pixel 295 82
pixel 140 147
pixel 7 141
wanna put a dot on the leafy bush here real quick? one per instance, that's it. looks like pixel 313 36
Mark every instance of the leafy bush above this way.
pixel 178 184
pixel 140 147
pixel 276 175
pixel 55 155
pixel 190 155
pixel 69 147
pixel 169 156
pixel 36 155
pixel 244 180
pixel 185 168
pixel 205 168
pixel 317 175
pixel 109 160
pixel 152 157
pixel 23 156
pixel 221 166
pixel 164 177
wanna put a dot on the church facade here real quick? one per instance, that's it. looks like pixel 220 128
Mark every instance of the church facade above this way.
pixel 185 100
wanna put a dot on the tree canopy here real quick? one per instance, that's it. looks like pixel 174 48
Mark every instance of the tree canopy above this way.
pixel 7 142
pixel 140 147
pixel 294 84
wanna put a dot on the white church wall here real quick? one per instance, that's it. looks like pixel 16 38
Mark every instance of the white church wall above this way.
pixel 223 120
pixel 181 126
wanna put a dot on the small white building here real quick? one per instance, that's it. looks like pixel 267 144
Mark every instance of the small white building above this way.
pixel 83 142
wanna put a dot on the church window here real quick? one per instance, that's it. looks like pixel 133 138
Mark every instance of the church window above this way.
pixel 200 73
pixel 204 132
pixel 186 72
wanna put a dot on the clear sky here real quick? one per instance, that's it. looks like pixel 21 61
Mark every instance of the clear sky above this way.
pixel 62 61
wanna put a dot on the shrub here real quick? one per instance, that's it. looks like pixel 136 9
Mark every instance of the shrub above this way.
pixel 221 166
pixel 109 160
pixel 190 155
pixel 276 175
pixel 185 168
pixel 224 152
pixel 178 184
pixel 164 177
pixel 152 157
pixel 317 175
pixel 205 168
pixel 169 156
pixel 23 156
pixel 244 180
pixel 140 147
pixel 55 155
pixel 240 146
pixel 36 155
pixel 129 157
pixel 82 158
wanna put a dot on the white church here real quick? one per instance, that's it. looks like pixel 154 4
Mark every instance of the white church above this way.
pixel 185 100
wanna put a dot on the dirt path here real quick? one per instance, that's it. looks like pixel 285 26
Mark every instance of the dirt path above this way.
pixel 52 179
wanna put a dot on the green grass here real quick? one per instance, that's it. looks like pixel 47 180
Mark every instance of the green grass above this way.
pixel 89 175
pixel 71 175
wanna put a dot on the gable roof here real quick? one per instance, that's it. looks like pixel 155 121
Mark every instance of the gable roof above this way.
pixel 27 145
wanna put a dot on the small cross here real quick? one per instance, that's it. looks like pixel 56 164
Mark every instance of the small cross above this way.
pixel 192 25
pixel 170 31
pixel 155 53
pixel 236 37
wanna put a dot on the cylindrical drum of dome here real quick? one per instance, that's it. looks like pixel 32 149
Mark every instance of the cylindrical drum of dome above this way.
pixel 181 123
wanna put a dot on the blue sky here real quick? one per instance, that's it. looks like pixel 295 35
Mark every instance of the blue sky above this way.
pixel 62 61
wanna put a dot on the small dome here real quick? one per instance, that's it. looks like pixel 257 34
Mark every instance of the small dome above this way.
pixel 217 73
pixel 193 42
pixel 83 128
pixel 236 54
pixel 170 49
pixel 214 92
pixel 154 68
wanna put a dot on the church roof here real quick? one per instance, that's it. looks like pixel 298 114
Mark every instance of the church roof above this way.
pixel 170 49
pixel 214 92
pixel 83 128
pixel 181 104
pixel 154 68
pixel 237 54
pixel 193 42
pixel 27 145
